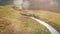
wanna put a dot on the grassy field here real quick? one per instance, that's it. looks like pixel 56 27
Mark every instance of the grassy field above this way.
pixel 11 22
pixel 51 17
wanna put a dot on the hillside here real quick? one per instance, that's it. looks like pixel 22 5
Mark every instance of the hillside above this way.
pixel 11 22
pixel 51 17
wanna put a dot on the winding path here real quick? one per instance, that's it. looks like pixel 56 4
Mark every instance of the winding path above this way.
pixel 50 28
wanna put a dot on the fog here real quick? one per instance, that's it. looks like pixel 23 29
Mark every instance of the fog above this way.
pixel 35 4
pixel 49 5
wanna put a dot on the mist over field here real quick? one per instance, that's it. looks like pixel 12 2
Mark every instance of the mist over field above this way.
pixel 45 5
pixel 35 4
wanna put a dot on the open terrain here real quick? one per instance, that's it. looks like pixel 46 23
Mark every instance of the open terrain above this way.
pixel 51 17
pixel 14 23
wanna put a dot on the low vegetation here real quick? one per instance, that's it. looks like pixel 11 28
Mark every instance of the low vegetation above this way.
pixel 50 17
pixel 14 23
